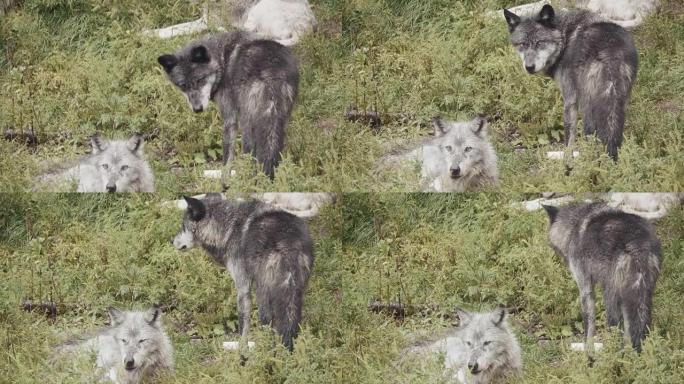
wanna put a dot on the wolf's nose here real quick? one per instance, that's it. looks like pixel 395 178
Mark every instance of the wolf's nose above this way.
pixel 198 109
pixel 529 68
pixel 456 172
pixel 111 188
pixel 472 367
pixel 183 247
pixel 130 364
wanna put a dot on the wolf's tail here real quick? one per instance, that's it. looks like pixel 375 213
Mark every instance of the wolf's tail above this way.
pixel 264 115
pixel 280 299
pixel 604 113
pixel 638 285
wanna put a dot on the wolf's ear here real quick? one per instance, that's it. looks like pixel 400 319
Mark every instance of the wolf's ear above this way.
pixel 464 316
pixel 135 144
pixel 512 19
pixel 196 209
pixel 97 144
pixel 168 62
pixel 438 126
pixel 479 125
pixel 546 16
pixel 552 211
pixel 199 55
pixel 116 316
pixel 152 316
pixel 499 315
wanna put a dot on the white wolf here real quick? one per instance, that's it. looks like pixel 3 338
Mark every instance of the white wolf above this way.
pixel 483 349
pixel 285 21
pixel 134 348
pixel 458 158
pixel 113 166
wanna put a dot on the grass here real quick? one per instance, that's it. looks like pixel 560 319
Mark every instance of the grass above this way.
pixel 435 250
pixel 69 68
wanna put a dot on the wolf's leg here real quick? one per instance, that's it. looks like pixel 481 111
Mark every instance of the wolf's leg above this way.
pixel 588 313
pixel 570 117
pixel 613 307
pixel 244 307
pixel 229 135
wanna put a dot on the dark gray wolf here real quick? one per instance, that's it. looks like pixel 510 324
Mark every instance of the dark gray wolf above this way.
pixel 134 348
pixel 482 350
pixel 619 251
pixel 261 246
pixel 254 83
pixel 594 63
pixel 458 158
pixel 113 166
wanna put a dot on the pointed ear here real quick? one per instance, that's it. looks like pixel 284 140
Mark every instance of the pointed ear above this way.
pixel 498 316
pixel 135 144
pixel 512 19
pixel 438 126
pixel 97 144
pixel 116 316
pixel 464 316
pixel 199 55
pixel 168 62
pixel 196 209
pixel 552 211
pixel 152 316
pixel 547 16
pixel 479 125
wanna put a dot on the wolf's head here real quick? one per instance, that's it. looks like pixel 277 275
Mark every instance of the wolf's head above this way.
pixel 194 71
pixel 119 162
pixel 139 336
pixel 537 39
pixel 487 338
pixel 463 145
pixel 195 212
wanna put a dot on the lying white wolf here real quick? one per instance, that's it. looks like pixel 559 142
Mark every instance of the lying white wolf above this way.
pixel 458 158
pixel 134 348
pixel 483 349
pixel 285 21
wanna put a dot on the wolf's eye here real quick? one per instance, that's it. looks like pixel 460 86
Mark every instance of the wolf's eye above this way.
pixel 467 149
pixel 124 167
pixel 487 343
pixel 468 343
pixel 124 341
pixel 448 148
pixel 142 341
pixel 105 166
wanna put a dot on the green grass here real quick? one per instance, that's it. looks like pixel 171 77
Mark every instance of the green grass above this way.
pixel 436 250
pixel 69 68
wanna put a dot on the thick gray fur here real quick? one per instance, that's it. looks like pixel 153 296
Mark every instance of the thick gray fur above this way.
pixel 112 166
pixel 617 250
pixel 262 247
pixel 593 61
pixel 254 82
pixel 133 349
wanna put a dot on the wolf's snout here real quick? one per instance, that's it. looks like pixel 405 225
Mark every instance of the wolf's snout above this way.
pixel 455 172
pixel 198 109
pixel 473 368
pixel 183 247
pixel 111 188
pixel 529 68
pixel 129 364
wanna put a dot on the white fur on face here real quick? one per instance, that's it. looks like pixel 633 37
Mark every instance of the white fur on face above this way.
pixel 199 98
pixel 184 240
pixel 538 58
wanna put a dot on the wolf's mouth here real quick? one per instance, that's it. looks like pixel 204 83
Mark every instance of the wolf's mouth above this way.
pixel 475 371
pixel 130 368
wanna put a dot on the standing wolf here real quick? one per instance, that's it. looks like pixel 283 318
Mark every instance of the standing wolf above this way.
pixel 254 82
pixel 458 158
pixel 619 251
pixel 594 63
pixel 260 246
pixel 113 166
pixel 134 348
pixel 484 343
